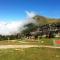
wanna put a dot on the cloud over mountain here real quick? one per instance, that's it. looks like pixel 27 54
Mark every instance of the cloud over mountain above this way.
pixel 12 27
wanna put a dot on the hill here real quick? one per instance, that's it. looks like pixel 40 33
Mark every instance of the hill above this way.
pixel 45 20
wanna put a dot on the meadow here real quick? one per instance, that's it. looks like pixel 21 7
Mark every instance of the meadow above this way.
pixel 42 41
pixel 33 53
pixel 30 54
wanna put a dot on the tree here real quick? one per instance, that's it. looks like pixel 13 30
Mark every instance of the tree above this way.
pixel 30 27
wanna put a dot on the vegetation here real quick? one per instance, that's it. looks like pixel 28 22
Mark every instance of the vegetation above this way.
pixel 30 27
pixel 44 26
pixel 30 54
pixel 45 20
pixel 43 41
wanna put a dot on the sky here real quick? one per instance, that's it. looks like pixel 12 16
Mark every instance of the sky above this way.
pixel 13 13
pixel 15 9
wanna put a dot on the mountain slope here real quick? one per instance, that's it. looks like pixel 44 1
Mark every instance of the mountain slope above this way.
pixel 45 20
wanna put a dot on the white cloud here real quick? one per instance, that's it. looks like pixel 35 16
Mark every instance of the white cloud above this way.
pixel 8 28
pixel 30 14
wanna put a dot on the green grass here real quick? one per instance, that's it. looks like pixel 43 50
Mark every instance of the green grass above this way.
pixel 43 41
pixel 30 54
pixel 10 42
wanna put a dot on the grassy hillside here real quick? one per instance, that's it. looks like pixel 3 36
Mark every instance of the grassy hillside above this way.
pixel 45 20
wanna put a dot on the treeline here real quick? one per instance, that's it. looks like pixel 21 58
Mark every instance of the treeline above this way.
pixel 49 30
pixel 9 37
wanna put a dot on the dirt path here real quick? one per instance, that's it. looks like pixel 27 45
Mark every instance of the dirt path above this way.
pixel 24 46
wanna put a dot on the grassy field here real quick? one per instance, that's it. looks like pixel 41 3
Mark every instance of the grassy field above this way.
pixel 43 41
pixel 30 54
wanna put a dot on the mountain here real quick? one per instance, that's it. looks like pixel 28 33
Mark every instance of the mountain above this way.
pixel 44 20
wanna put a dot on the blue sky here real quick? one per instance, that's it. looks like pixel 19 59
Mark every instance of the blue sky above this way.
pixel 15 9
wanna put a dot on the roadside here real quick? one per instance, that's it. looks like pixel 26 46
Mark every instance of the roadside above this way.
pixel 25 46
